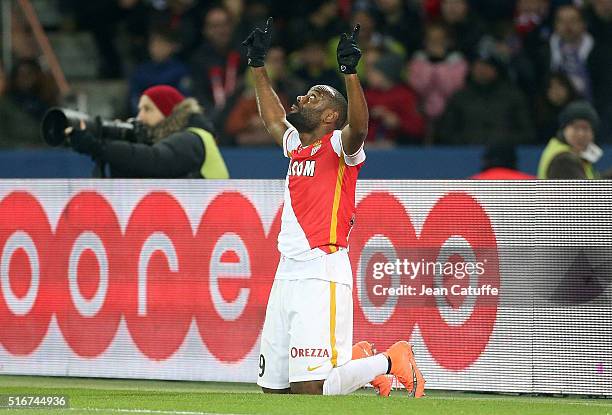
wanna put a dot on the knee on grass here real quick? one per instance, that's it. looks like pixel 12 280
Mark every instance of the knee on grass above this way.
pixel 276 391
pixel 313 387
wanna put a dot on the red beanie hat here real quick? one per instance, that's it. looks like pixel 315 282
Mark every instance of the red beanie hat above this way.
pixel 164 97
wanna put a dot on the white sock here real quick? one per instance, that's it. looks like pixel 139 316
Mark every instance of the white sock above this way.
pixel 354 374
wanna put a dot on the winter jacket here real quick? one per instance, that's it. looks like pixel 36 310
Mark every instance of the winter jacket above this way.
pixel 436 81
pixel 482 115
pixel 182 148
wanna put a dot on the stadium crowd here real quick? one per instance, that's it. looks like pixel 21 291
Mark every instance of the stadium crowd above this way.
pixel 452 72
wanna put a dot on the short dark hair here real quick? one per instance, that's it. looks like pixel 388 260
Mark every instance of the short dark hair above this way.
pixel 499 155
pixel 337 101
pixel 166 33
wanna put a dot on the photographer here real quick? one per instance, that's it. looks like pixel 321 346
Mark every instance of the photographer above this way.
pixel 181 143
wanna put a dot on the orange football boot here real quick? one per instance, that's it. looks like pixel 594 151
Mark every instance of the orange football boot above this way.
pixel 381 382
pixel 404 367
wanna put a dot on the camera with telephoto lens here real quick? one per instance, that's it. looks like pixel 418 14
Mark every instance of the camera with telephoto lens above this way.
pixel 56 120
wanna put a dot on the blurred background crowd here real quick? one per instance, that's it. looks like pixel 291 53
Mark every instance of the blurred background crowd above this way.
pixel 435 72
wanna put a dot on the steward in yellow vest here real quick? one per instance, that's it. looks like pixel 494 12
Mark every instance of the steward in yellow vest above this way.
pixel 572 153
pixel 182 145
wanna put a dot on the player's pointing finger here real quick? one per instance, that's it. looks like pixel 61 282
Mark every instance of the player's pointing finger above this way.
pixel 269 23
pixel 355 33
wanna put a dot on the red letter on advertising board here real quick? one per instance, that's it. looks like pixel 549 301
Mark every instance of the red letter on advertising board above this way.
pixel 25 238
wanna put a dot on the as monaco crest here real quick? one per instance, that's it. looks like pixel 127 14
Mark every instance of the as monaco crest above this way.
pixel 315 147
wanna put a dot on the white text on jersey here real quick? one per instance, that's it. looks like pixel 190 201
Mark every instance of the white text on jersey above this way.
pixel 302 168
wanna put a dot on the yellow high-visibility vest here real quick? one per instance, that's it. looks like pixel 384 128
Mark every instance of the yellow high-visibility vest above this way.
pixel 552 150
pixel 214 166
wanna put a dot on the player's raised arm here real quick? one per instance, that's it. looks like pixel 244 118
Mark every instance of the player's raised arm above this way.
pixel 355 132
pixel 270 108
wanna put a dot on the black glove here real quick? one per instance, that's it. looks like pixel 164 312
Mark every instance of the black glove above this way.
pixel 258 44
pixel 84 142
pixel 348 52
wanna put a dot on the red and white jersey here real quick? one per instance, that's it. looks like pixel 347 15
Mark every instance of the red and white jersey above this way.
pixel 319 205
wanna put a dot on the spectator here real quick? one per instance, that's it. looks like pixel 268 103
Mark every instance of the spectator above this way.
pixel 182 143
pixel 568 50
pixel 499 163
pixel 18 128
pixel 371 40
pixel 245 14
pixel 31 89
pixel 598 15
pixel 572 153
pixel 534 23
pixel 467 28
pixel 320 18
pixel 244 123
pixel 599 20
pixel 394 115
pixel 183 18
pixel 163 67
pixel 530 16
pixel 559 92
pixel 507 45
pixel 236 9
pixel 489 109
pixel 435 72
pixel 402 21
pixel 311 65
pixel 217 66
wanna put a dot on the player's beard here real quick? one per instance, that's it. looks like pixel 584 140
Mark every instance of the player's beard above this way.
pixel 304 120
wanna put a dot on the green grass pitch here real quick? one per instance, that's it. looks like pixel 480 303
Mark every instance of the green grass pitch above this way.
pixel 102 396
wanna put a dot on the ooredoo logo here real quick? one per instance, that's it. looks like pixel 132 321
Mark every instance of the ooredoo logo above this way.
pixel 160 273
pixel 457 225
